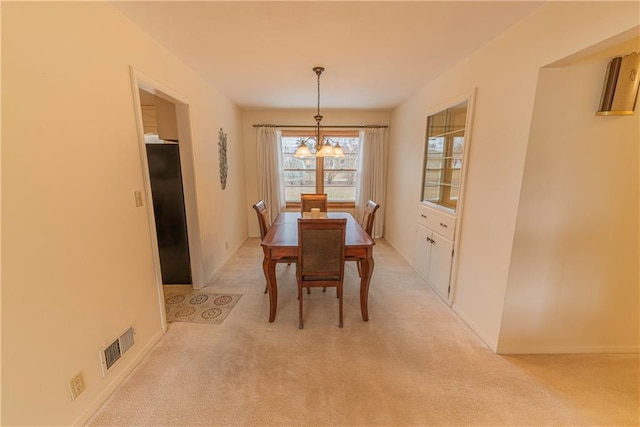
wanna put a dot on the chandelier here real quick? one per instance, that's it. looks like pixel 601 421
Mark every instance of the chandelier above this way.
pixel 323 147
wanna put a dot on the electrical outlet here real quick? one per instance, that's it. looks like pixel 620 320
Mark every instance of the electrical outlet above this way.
pixel 138 196
pixel 76 386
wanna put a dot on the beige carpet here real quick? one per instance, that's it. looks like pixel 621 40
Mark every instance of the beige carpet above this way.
pixel 184 304
pixel 415 363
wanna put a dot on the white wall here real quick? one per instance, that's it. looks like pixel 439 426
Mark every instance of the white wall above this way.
pixel 573 283
pixel 0 221
pixel 77 260
pixel 505 73
pixel 292 117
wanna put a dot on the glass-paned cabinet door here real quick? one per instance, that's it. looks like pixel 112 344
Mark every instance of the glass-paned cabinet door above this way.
pixel 444 150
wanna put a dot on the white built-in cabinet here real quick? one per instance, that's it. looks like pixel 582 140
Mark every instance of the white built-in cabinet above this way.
pixel 440 208
pixel 433 254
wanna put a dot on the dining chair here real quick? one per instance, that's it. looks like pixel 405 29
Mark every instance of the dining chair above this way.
pixel 263 217
pixel 368 219
pixel 369 216
pixel 321 257
pixel 308 201
pixel 263 222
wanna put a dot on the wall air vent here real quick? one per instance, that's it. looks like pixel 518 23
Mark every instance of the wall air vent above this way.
pixel 126 340
pixel 113 352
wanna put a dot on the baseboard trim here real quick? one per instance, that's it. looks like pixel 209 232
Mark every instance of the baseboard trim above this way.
pixel 523 349
pixel 117 380
pixel 456 309
pixel 216 271
pixel 564 349
pixel 475 328
pixel 213 275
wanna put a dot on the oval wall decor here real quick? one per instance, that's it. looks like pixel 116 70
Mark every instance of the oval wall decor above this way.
pixel 222 147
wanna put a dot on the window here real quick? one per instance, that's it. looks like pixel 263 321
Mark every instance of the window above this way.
pixel 336 176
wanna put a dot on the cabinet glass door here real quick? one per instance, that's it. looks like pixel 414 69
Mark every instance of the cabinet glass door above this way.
pixel 443 156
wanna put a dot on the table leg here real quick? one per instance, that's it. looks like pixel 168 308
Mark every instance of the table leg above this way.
pixel 269 268
pixel 365 279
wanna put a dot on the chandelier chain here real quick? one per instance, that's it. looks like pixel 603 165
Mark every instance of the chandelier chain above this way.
pixel 322 150
pixel 318 71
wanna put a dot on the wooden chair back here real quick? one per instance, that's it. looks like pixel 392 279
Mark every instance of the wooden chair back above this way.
pixel 263 217
pixel 321 257
pixel 369 216
pixel 308 201
pixel 263 223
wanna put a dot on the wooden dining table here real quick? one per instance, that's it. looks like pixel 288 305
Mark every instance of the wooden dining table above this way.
pixel 281 241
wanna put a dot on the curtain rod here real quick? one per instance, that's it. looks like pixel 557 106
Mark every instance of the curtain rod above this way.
pixel 321 126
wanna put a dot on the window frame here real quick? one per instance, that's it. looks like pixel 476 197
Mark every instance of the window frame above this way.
pixel 320 167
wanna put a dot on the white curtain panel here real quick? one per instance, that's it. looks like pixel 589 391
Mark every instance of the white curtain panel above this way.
pixel 372 176
pixel 270 170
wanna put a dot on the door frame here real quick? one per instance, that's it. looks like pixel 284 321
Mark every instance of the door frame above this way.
pixel 187 164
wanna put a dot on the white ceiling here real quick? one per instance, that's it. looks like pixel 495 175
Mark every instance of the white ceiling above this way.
pixel 376 54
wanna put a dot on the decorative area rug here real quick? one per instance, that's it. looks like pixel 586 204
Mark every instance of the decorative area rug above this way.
pixel 185 304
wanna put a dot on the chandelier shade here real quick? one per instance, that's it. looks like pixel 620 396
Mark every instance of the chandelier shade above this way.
pixel 302 150
pixel 337 150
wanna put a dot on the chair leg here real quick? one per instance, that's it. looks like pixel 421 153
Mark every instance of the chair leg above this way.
pixel 300 294
pixel 325 290
pixel 266 288
pixel 358 264
pixel 340 317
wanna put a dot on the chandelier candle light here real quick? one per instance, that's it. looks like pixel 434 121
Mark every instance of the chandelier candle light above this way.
pixel 322 149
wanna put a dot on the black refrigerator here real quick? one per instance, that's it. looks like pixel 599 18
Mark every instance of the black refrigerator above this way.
pixel 168 206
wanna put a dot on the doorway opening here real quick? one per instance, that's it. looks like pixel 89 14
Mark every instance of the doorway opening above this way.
pixel 166 154
pixel 162 145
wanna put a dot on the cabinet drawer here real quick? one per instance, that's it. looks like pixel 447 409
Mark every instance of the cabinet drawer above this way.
pixel 437 221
